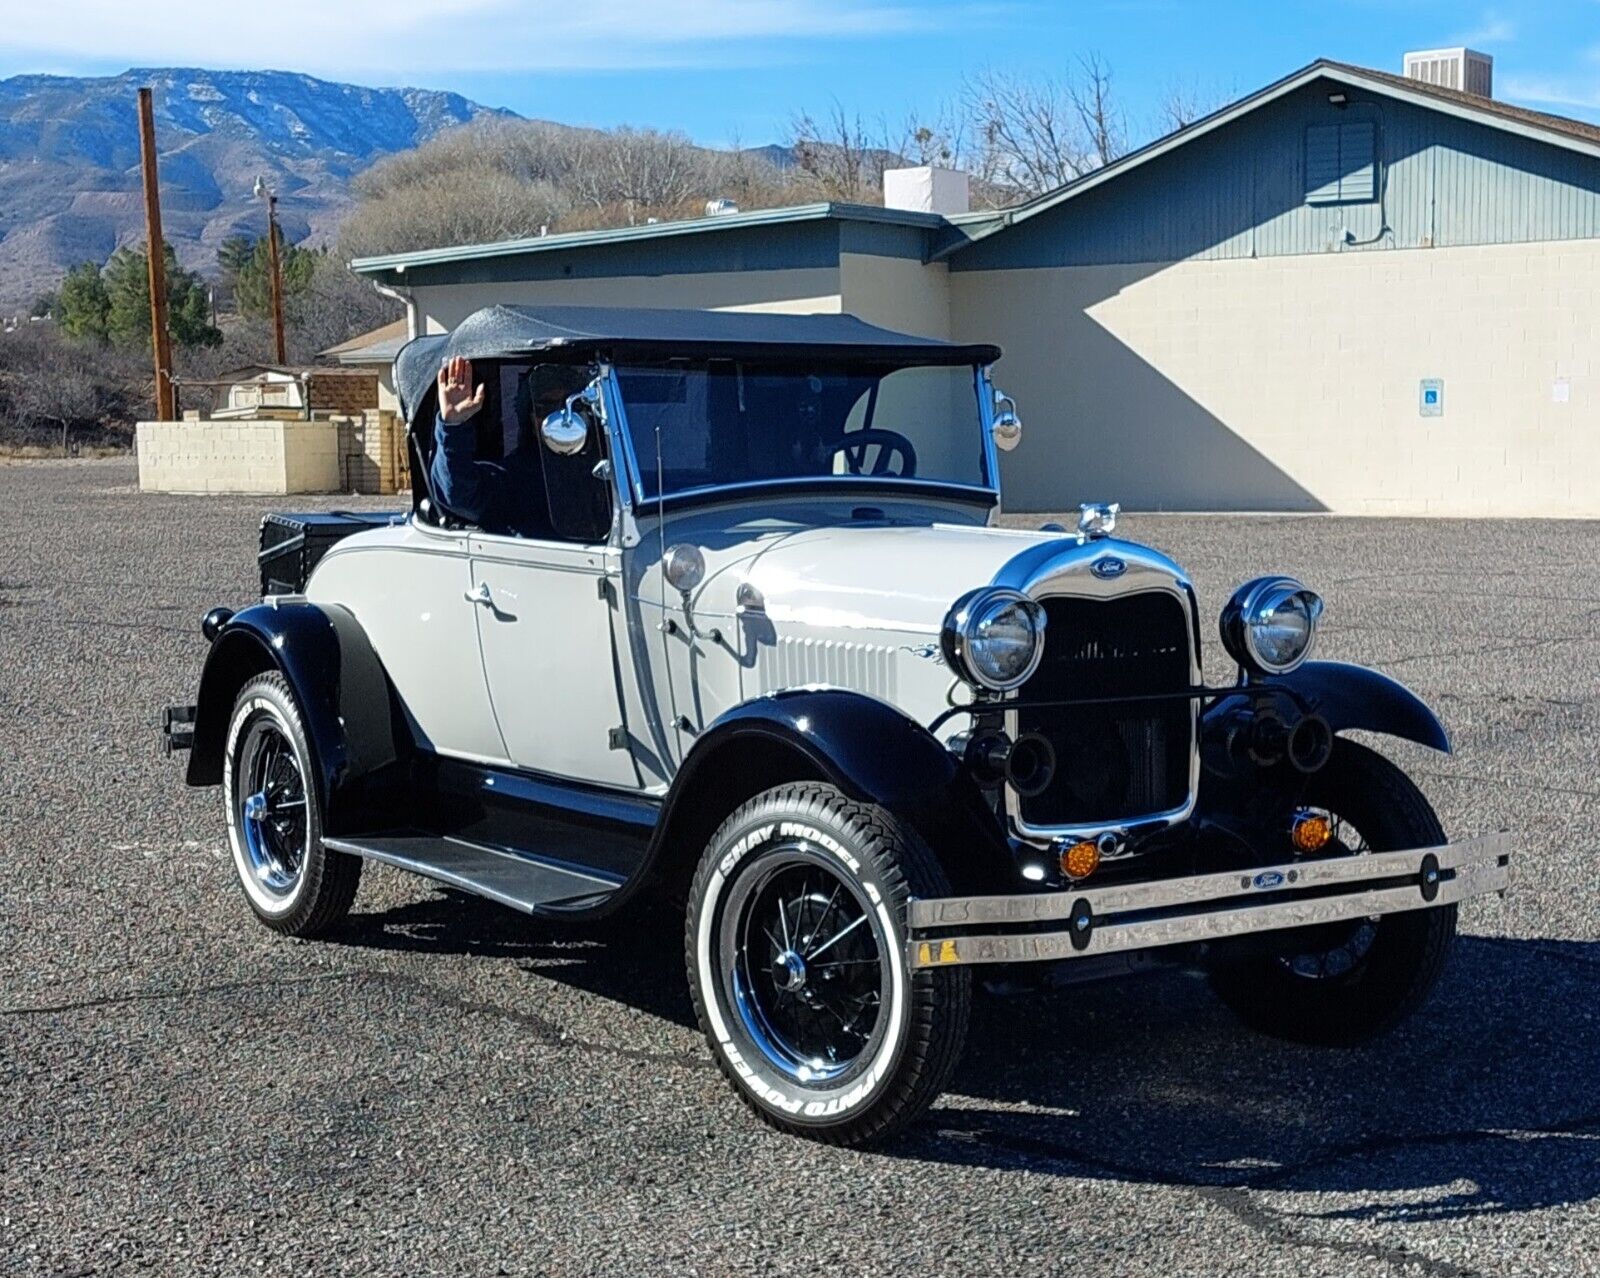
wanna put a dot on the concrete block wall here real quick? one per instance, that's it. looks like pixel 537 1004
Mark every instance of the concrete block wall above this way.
pixel 1293 383
pixel 344 392
pixel 200 456
pixel 372 453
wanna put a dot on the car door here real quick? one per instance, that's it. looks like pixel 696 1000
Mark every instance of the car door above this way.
pixel 545 628
pixel 410 593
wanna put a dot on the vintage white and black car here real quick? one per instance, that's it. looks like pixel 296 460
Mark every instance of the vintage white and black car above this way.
pixel 735 632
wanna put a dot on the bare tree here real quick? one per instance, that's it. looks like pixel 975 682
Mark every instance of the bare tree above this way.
pixel 1033 134
pixel 1101 118
pixel 842 158
pixel 1026 135
pixel 1183 102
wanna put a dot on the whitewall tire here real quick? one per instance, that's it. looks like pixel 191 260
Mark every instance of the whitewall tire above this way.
pixel 797 962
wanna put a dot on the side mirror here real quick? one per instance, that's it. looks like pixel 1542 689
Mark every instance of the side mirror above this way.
pixel 564 431
pixel 1006 426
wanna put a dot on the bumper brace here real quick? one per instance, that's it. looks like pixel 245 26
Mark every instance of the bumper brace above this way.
pixel 1204 907
pixel 177 728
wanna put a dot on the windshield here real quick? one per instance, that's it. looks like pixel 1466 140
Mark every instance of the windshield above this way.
pixel 711 425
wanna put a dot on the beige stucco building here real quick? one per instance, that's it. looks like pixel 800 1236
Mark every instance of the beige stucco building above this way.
pixel 1349 292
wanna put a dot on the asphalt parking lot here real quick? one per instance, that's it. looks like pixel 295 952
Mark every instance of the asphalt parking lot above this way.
pixel 448 1088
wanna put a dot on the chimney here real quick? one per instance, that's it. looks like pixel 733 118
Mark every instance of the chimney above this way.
pixel 926 189
pixel 1466 70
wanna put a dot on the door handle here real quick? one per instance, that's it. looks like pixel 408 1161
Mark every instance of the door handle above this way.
pixel 482 595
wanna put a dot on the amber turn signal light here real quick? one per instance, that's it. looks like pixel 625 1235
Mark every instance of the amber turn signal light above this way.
pixel 1310 832
pixel 1081 859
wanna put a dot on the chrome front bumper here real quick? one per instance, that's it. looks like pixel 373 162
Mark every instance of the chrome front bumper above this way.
pixel 1204 907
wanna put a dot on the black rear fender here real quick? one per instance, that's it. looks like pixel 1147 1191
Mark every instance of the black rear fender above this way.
pixel 344 696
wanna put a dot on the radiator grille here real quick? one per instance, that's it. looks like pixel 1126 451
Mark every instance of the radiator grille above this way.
pixel 1116 762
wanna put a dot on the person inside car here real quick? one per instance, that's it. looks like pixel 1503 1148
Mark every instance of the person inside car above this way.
pixel 506 495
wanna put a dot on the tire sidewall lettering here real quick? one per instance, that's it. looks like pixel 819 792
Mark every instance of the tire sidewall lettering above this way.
pixel 772 1090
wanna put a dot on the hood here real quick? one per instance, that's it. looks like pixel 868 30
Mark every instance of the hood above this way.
pixel 873 576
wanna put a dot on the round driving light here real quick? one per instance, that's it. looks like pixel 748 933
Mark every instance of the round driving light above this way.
pixel 994 638
pixel 684 567
pixel 1270 624
pixel 1310 832
pixel 1080 860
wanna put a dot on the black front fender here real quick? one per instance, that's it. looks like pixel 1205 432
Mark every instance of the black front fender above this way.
pixel 866 748
pixel 1350 696
pixel 343 693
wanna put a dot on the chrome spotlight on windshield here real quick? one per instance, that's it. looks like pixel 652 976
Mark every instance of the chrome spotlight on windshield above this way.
pixel 1270 625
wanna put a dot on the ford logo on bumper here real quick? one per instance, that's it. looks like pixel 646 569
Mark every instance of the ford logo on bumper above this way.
pixel 1107 567
pixel 1270 879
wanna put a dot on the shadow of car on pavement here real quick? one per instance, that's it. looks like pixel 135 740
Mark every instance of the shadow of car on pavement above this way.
pixel 1484 1102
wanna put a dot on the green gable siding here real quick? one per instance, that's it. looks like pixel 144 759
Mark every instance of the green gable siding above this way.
pixel 1300 175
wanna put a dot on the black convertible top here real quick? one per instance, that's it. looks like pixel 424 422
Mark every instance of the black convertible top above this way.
pixel 620 333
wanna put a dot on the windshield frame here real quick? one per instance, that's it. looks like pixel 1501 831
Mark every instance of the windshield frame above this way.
pixel 846 487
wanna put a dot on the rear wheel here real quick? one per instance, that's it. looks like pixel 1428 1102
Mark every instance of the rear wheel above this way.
pixel 797 962
pixel 1340 983
pixel 292 883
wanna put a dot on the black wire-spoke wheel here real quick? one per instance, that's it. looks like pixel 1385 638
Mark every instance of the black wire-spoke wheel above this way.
pixel 292 883
pixel 797 962
pixel 272 806
pixel 1339 983
pixel 806 964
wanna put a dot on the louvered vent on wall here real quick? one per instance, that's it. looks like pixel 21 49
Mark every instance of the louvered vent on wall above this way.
pixel 1341 164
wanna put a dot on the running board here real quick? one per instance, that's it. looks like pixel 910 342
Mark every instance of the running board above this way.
pixel 528 883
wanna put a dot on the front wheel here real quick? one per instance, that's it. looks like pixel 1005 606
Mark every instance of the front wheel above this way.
pixel 797 963
pixel 1341 983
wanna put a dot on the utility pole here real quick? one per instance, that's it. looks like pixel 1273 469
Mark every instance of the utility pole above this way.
pixel 156 251
pixel 262 190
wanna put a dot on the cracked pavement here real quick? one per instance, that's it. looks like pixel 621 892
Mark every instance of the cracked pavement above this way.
pixel 448 1088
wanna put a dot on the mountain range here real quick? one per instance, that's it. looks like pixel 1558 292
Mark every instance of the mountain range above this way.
pixel 69 160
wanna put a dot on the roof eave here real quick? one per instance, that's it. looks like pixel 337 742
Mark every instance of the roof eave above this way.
pixel 396 264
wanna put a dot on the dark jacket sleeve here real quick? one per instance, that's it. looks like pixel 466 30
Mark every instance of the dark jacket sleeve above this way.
pixel 458 478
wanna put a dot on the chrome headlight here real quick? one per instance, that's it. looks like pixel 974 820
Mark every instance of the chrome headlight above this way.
pixel 994 638
pixel 1270 624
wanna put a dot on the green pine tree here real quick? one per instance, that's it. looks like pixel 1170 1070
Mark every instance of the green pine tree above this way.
pixel 127 286
pixel 82 306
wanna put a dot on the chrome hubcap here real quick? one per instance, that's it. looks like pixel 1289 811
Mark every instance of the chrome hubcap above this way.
pixel 789 971
pixel 272 807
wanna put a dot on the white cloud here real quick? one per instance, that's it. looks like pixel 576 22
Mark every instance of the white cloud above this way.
pixel 1564 91
pixel 346 37
pixel 1492 29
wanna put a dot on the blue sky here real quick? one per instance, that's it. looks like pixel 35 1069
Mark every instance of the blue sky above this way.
pixel 726 70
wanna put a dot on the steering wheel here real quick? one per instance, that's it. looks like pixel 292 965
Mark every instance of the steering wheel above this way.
pixel 889 443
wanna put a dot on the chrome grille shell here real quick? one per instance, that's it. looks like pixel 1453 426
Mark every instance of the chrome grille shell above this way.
pixel 1067 568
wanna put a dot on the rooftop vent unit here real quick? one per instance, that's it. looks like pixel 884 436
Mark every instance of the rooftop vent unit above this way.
pixel 926 189
pixel 1464 69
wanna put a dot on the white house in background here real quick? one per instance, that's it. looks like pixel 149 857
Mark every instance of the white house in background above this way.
pixel 1351 291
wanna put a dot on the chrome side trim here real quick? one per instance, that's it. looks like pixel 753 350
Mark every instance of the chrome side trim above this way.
pixel 1208 907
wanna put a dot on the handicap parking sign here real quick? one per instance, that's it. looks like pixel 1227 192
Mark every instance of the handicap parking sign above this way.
pixel 1431 400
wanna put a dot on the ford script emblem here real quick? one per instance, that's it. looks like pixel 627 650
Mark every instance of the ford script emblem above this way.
pixel 1270 879
pixel 1107 567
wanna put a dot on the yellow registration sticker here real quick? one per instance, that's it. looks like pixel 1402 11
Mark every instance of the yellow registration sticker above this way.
pixel 927 955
